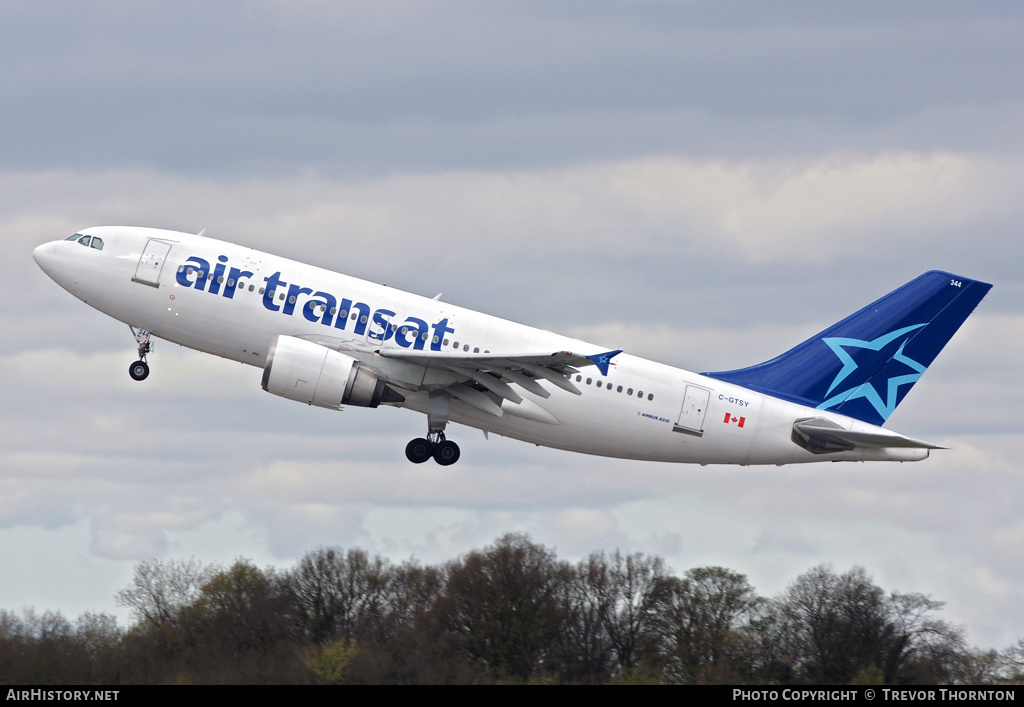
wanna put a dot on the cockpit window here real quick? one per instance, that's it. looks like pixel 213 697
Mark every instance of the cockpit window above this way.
pixel 84 240
pixel 97 243
pixel 73 237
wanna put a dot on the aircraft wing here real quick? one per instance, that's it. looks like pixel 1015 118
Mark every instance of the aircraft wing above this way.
pixel 523 369
pixel 494 372
pixel 471 376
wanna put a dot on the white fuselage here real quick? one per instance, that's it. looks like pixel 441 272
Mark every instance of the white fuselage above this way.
pixel 642 409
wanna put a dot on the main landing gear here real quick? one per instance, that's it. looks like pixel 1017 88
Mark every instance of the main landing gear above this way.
pixel 140 369
pixel 443 451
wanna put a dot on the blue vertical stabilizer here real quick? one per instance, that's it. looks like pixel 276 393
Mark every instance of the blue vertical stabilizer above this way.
pixel 865 365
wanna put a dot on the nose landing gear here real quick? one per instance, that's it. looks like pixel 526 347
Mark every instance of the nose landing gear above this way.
pixel 140 369
pixel 444 451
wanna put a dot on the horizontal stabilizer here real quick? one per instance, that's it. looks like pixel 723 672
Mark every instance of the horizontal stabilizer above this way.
pixel 822 436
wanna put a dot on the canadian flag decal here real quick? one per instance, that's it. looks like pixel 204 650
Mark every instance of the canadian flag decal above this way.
pixel 730 418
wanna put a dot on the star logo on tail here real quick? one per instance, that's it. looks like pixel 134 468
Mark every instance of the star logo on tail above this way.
pixel 867 389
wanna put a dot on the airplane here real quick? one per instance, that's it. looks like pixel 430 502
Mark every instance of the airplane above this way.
pixel 330 340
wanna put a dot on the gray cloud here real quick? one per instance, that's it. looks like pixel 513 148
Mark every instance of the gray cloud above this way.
pixel 243 88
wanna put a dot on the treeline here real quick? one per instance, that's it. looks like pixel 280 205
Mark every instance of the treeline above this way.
pixel 512 612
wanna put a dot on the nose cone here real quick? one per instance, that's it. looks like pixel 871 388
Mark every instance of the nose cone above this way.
pixel 44 257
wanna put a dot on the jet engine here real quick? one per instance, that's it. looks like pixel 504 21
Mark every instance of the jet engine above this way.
pixel 310 373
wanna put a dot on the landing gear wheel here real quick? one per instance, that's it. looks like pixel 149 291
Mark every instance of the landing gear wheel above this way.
pixel 139 370
pixel 419 450
pixel 447 452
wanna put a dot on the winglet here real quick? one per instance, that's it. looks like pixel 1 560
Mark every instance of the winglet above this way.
pixel 602 360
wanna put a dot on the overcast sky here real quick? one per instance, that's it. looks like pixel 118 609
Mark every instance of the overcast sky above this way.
pixel 702 183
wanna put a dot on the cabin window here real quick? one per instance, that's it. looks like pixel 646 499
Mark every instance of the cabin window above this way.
pixel 281 297
pixel 455 345
pixel 181 268
pixel 424 336
pixel 589 381
pixel 362 319
pixel 434 340
pixel 446 342
pixel 629 392
pixel 465 347
pixel 220 279
pixel 599 384
pixel 619 390
pixel 231 283
pixel 579 378
pixel 476 349
pixel 640 394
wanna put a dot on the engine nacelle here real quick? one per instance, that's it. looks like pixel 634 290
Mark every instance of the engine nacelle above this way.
pixel 310 373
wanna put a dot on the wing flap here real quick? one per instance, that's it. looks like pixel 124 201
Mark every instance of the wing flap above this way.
pixel 491 382
pixel 478 360
pixel 474 398
pixel 524 369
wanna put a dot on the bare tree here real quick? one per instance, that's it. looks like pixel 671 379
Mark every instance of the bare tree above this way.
pixel 341 595
pixel 160 589
pixel 585 649
pixel 704 619
pixel 838 628
pixel 500 608
pixel 626 585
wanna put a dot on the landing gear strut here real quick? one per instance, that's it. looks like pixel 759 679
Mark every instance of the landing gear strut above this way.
pixel 444 451
pixel 140 369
